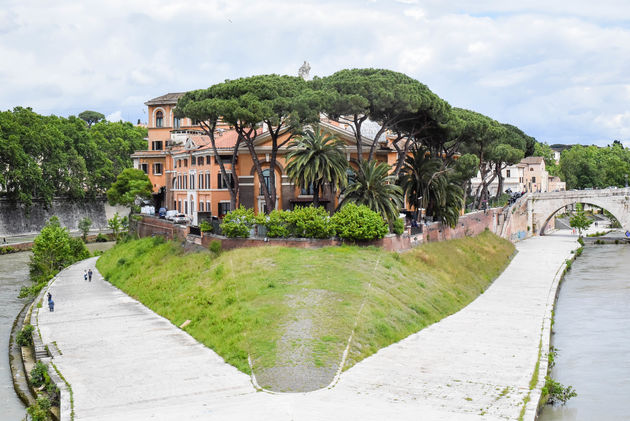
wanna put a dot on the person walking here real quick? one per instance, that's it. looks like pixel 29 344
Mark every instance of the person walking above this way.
pixel 49 297
pixel 51 305
pixel 85 275
pixel 90 275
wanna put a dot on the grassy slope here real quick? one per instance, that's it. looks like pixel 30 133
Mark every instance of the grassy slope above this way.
pixel 244 301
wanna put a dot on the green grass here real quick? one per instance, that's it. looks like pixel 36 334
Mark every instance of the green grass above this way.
pixel 243 301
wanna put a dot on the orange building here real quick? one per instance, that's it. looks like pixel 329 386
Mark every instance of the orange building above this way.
pixel 186 175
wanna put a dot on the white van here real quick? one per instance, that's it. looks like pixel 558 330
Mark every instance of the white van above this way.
pixel 170 214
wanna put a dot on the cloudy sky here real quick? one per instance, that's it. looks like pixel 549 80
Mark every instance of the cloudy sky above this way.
pixel 559 70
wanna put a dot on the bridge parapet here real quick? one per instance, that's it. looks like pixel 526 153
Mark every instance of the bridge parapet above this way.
pixel 543 206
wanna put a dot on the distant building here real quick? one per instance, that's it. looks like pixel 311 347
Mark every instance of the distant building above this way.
pixel 529 175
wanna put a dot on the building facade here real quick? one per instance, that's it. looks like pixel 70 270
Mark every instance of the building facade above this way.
pixel 185 172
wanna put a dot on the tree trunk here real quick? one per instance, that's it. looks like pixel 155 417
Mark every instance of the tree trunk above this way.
pixel 500 184
pixel 316 195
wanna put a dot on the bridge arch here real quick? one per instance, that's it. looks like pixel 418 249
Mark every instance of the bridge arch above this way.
pixel 591 202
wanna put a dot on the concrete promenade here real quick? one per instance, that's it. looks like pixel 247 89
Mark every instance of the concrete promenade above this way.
pixel 124 362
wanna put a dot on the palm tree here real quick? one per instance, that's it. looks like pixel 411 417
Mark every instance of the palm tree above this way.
pixel 317 159
pixel 374 187
pixel 426 183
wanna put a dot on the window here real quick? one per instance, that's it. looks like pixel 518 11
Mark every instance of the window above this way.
pixel 174 185
pixel 531 169
pixel 145 168
pixel 351 175
pixel 221 183
pixel 208 159
pixel 208 209
pixel 310 191
pixel 185 179
pixel 186 207
pixel 533 179
pixel 179 206
pixel 193 160
pixel 185 162
pixel 159 119
pixel 207 180
pixel 174 204
pixel 507 173
pixel 157 169
pixel 265 180
pixel 192 181
pixel 157 145
pixel 200 206
pixel 226 159
pixel 176 123
pixel 201 181
pixel 224 208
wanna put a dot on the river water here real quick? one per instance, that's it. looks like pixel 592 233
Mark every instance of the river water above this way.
pixel 13 275
pixel 592 335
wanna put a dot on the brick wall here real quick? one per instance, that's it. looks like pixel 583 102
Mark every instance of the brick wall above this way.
pixel 149 226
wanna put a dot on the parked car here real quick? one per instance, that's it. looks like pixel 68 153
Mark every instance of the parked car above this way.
pixel 162 213
pixel 170 214
pixel 180 218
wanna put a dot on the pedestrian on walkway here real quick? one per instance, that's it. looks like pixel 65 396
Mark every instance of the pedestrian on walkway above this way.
pixel 51 305
pixel 90 274
pixel 85 275
pixel 49 297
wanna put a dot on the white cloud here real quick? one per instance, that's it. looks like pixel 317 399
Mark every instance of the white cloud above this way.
pixel 115 116
pixel 556 69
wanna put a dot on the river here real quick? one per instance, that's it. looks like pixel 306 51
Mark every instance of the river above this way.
pixel 13 275
pixel 592 325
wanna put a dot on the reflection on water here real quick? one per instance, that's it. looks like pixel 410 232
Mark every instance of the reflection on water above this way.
pixel 592 325
pixel 13 275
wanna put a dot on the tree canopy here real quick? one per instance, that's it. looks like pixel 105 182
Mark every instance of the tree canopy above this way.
pixel 129 185
pixel 46 156
pixel 91 117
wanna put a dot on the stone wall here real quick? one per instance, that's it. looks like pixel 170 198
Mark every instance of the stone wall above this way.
pixel 14 220
pixel 469 225
pixel 150 226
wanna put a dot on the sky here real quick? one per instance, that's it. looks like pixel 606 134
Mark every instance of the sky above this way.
pixel 558 69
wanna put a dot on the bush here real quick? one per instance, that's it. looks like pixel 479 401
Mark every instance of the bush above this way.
pixel 276 223
pixel 358 223
pixel 24 337
pixel 309 222
pixel 7 250
pixel 38 374
pixel 238 223
pixel 581 241
pixel 39 410
pixel 556 392
pixel 399 226
pixel 215 246
pixel 205 226
pixel 100 238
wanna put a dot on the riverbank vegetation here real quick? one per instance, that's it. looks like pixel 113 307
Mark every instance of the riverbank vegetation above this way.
pixel 242 303
pixel 53 249
pixel 46 156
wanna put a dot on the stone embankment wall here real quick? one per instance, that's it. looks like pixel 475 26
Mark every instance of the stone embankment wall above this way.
pixel 14 220
pixel 518 221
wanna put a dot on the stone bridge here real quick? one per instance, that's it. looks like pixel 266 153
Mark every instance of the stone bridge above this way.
pixel 543 206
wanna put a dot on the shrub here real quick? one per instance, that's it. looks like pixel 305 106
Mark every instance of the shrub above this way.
pixel 581 241
pixel 399 226
pixel 205 226
pixel 38 374
pixel 238 222
pixel 39 410
pixel 215 246
pixel 100 238
pixel 309 222
pixel 276 223
pixel 556 392
pixel 24 337
pixel 358 223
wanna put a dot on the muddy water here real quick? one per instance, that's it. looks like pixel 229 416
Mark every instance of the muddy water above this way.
pixel 13 275
pixel 592 335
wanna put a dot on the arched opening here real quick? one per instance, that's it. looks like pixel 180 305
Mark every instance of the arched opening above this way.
pixel 159 119
pixel 615 221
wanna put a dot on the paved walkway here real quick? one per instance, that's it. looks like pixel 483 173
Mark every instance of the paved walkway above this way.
pixel 126 363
